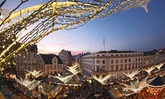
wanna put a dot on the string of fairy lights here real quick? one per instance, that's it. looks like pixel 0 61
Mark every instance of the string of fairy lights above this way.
pixel 20 29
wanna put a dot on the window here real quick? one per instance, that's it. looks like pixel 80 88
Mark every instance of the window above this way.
pixel 111 61
pixel 139 65
pixel 136 65
pixel 111 67
pixel 121 67
pixel 126 60
pixel 125 66
pixel 103 61
pixel 117 66
pixel 129 60
pixel 129 66
pixel 97 61
pixel 121 61
pixel 117 61
pixel 136 59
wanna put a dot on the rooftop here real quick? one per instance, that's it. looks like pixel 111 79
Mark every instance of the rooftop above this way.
pixel 47 58
pixel 33 48
pixel 116 51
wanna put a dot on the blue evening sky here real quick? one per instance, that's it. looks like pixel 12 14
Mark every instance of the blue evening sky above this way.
pixel 132 29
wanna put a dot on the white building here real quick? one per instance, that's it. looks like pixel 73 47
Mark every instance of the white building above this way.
pixel 114 61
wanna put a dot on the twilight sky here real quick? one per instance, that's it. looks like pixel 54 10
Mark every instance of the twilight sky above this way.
pixel 132 29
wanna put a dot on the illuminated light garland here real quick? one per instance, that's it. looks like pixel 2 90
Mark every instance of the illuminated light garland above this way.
pixel 70 15
pixel 149 70
pixel 27 83
pixel 132 74
pixel 2 69
pixel 64 79
pixel 102 80
pixel 159 66
pixel 35 73
pixel 137 86
pixel 73 69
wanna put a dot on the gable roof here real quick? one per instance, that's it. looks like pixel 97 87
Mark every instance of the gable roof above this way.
pixel 59 60
pixel 47 58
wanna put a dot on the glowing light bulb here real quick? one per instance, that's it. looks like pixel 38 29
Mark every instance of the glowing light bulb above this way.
pixel 3 46
pixel 1 16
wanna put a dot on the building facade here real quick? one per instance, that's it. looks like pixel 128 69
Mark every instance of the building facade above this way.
pixel 114 61
pixel 153 58
pixel 66 57
pixel 28 61
pixel 52 64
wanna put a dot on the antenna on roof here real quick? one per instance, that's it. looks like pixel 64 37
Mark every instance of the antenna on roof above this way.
pixel 104 42
pixel 129 45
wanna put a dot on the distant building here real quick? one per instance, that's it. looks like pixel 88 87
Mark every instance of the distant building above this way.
pixel 114 61
pixel 52 64
pixel 78 58
pixel 66 57
pixel 153 57
pixel 28 61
